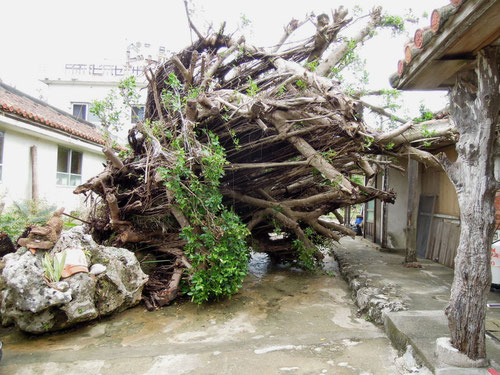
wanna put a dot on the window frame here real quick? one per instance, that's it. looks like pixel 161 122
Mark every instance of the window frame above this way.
pixel 68 174
pixel 87 113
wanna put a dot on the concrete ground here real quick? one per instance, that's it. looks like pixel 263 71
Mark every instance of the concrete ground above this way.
pixel 282 322
pixel 380 284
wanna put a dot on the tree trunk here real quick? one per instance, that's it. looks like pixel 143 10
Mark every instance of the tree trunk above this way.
pixel 475 102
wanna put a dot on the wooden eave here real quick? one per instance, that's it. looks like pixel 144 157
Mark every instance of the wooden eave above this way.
pixel 475 26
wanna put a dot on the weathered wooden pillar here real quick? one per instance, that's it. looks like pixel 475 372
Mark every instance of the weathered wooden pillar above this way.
pixel 475 103
pixel 347 215
pixel 34 173
pixel 411 214
pixel 385 213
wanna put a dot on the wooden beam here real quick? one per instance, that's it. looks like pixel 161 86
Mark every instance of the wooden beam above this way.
pixel 34 173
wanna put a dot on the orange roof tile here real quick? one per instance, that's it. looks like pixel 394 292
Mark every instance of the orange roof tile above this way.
pixel 19 104
pixel 424 35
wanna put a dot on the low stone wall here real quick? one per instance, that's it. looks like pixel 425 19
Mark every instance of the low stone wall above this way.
pixel 373 301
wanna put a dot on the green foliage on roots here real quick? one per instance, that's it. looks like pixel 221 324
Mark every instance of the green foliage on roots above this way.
pixel 218 253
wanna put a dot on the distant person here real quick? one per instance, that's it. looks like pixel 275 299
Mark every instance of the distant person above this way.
pixel 358 225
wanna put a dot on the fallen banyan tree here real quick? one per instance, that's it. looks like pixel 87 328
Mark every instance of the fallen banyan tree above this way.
pixel 239 142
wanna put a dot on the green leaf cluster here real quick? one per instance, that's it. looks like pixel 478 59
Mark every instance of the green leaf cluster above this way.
pixel 252 89
pixel 175 96
pixel 425 114
pixel 368 141
pixel 109 110
pixel 218 253
pixel 301 84
pixel 351 64
pixel 357 179
pixel 395 23
pixel 23 214
pixel 312 65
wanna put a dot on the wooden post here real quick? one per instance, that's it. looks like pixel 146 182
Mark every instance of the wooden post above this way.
pixel 385 186
pixel 411 215
pixel 347 215
pixel 34 173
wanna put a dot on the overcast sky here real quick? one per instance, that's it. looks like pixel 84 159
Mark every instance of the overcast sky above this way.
pixel 39 36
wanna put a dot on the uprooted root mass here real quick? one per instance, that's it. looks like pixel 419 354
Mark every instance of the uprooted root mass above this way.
pixel 235 133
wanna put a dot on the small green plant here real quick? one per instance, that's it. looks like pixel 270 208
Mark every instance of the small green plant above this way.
pixel 301 84
pixel 23 214
pixel 53 267
pixel 368 141
pixel 315 237
pixel 356 179
pixel 390 98
pixel 329 154
pixel 352 66
pixel 389 146
pixel 125 153
pixel 281 91
pixel 245 21
pixel 306 258
pixel 252 89
pixel 171 96
pixel 426 132
pixel 236 140
pixel 312 65
pixel 395 23
pixel 425 114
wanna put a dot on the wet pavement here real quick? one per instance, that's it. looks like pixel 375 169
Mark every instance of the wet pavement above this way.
pixel 283 321
pixel 379 282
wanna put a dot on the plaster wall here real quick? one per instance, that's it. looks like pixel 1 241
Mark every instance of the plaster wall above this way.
pixel 396 223
pixel 16 183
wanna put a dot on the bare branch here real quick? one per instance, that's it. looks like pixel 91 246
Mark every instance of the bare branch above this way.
pixel 191 24
pixel 335 57
pixel 381 111
pixel 289 29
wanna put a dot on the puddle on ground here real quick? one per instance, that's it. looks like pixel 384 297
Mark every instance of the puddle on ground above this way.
pixel 274 299
pixel 259 265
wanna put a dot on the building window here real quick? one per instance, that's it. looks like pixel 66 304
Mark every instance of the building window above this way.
pixel 1 154
pixel 82 111
pixel 137 114
pixel 69 167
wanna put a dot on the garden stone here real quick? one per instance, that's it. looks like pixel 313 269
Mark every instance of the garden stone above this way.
pixel 36 306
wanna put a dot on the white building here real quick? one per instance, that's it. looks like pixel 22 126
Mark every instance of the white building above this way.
pixel 73 87
pixel 44 152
